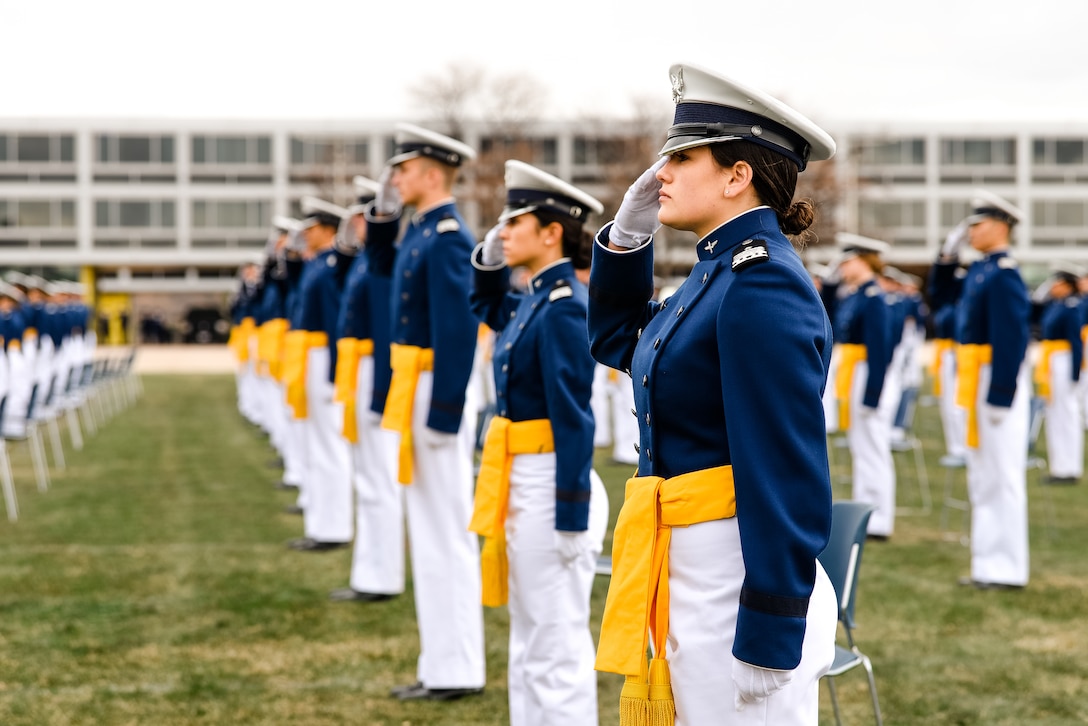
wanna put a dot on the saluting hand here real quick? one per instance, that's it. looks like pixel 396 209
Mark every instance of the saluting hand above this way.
pixel 491 249
pixel 636 219
pixel 955 240
pixel 387 201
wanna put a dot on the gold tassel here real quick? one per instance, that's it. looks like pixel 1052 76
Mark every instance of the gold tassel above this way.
pixel 662 707
pixel 635 702
pixel 495 571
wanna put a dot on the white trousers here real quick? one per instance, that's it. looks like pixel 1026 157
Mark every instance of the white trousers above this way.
pixel 377 563
pixel 296 457
pixel 328 514
pixel 599 405
pixel 272 412
pixel 20 381
pixel 1064 430
pixel 550 672
pixel 953 418
pixel 869 438
pixel 997 488
pixel 706 572
pixel 445 555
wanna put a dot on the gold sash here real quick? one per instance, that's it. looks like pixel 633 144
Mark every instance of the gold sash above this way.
pixel 296 348
pixel 239 338
pixel 940 347
pixel 1042 368
pixel 349 351
pixel 970 357
pixel 407 362
pixel 851 355
pixel 269 345
pixel 505 439
pixel 638 596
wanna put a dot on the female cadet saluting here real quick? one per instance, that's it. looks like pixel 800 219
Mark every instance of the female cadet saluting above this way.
pixel 865 335
pixel 733 502
pixel 542 508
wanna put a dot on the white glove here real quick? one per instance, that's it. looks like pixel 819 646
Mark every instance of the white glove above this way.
pixel 387 201
pixel 491 249
pixel 753 684
pixel 373 418
pixel 571 545
pixel 434 439
pixel 955 240
pixel 636 219
pixel 996 415
pixel 868 412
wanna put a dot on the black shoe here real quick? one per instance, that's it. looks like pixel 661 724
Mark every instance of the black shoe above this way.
pixel 286 485
pixel 981 585
pixel 402 691
pixel 877 537
pixel 292 509
pixel 451 694
pixel 347 594
pixel 1061 480
pixel 308 544
pixel 419 692
pixel 276 463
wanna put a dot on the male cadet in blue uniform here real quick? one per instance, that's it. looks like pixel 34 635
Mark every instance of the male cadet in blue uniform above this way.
pixel 272 327
pixel 433 344
pixel 1057 373
pixel 22 356
pixel 13 374
pixel 362 384
pixel 242 333
pixel 945 286
pixel 311 345
pixel 994 385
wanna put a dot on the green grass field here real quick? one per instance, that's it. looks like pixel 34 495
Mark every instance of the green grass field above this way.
pixel 151 585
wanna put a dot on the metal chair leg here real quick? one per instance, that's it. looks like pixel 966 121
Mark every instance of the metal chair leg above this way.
pixel 834 699
pixel 55 442
pixel 37 455
pixel 8 482
pixel 74 432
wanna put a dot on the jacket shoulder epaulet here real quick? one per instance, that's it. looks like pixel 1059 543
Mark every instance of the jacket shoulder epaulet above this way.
pixel 749 253
pixel 1007 263
pixel 447 224
pixel 560 290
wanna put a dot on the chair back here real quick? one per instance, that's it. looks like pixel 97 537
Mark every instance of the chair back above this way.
pixel 841 558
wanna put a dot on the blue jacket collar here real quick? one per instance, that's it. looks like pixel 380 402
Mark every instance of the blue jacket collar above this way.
pixel 560 270
pixel 760 222
pixel 437 210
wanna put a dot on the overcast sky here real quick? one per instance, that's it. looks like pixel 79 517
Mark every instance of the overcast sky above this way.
pixel 836 60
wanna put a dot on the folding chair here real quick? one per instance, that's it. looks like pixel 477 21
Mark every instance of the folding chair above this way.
pixel 10 501
pixel 841 559
pixel 33 439
pixel 911 443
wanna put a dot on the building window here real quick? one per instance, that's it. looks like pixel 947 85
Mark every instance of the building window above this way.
pixel 56 213
pixel 139 213
pixel 881 215
pixel 3 147
pixel 1058 213
pixel 33 148
pixel 1059 152
pixel 978 152
pixel 898 152
pixel 237 150
pixel 590 151
pixel 125 149
pixel 954 212
pixel 307 151
pixel 241 214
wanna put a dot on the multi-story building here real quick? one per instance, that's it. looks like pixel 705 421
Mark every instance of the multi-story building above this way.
pixel 158 214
